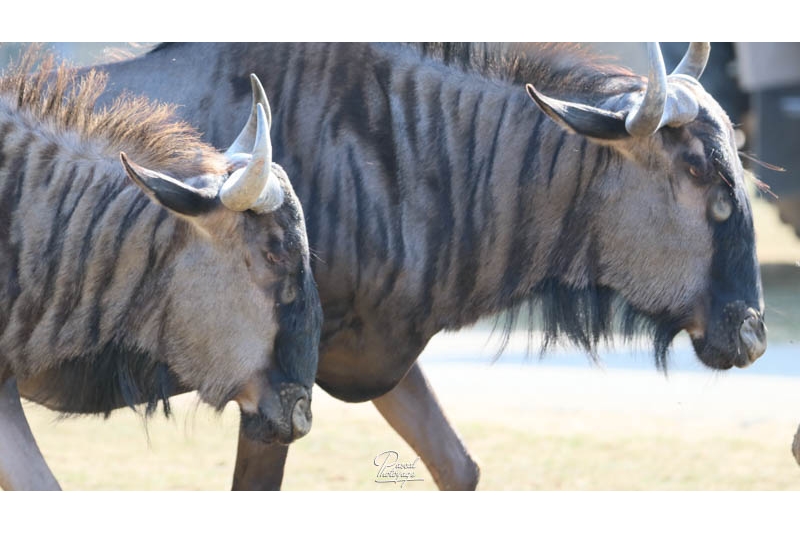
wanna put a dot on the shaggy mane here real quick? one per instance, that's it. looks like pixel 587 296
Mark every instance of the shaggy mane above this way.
pixel 569 68
pixel 586 318
pixel 54 99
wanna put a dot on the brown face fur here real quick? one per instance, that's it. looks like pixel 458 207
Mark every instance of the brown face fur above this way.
pixel 225 318
pixel 655 227
pixel 248 264
pixel 674 234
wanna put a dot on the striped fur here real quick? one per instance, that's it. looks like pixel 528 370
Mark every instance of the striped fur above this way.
pixel 109 299
pixel 438 193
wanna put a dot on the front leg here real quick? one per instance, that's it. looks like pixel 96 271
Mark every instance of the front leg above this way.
pixel 412 409
pixel 259 466
pixel 796 446
pixel 22 466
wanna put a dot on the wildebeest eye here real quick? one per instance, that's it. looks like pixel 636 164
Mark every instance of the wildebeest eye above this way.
pixel 720 206
pixel 273 250
pixel 697 169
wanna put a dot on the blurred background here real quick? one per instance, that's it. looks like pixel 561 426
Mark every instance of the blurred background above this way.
pixel 556 421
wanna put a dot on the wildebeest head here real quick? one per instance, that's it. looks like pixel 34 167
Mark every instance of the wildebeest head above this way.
pixel 672 225
pixel 245 316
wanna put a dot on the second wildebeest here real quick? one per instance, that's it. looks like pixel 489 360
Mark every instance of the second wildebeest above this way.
pixel 437 193
pixel 191 273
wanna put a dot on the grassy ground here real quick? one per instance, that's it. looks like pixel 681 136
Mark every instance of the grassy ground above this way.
pixel 530 428
pixel 558 429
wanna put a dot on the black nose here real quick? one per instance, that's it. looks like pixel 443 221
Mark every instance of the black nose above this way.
pixel 296 408
pixel 753 334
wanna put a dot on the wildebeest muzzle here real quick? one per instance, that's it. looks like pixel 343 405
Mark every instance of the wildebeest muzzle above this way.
pixel 283 414
pixel 736 336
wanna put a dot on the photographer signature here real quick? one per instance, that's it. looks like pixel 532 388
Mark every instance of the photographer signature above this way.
pixel 392 470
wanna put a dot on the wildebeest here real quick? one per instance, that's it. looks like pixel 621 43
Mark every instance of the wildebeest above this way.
pixel 437 192
pixel 796 446
pixel 191 273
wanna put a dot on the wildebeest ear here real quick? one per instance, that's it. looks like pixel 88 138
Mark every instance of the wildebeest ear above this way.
pixel 170 193
pixel 580 118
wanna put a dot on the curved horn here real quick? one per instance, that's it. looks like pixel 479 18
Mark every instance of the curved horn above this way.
pixel 681 108
pixel 245 141
pixel 694 62
pixel 254 187
pixel 645 119
pixel 580 118
pixel 169 192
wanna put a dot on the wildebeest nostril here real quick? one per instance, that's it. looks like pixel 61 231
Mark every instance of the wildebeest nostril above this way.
pixel 753 335
pixel 301 418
